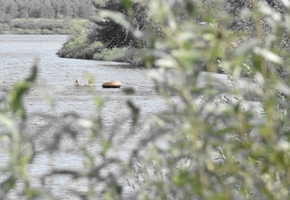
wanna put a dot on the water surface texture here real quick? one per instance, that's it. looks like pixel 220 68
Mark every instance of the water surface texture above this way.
pixel 56 79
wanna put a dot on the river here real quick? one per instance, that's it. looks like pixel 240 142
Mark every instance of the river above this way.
pixel 56 79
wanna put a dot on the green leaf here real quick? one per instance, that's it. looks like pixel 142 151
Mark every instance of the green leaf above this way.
pixel 19 90
pixel 8 184
pixel 182 178
pixel 99 101
pixel 90 79
pixel 34 71
pixel 127 3
pixel 135 112
pixel 268 55
pixel 35 193
pixel 9 123
pixel 129 91
pixel 190 8
pixel 106 146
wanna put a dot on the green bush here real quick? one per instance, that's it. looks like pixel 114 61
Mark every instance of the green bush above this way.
pixel 116 54
pixel 130 55
pixel 79 48
pixel 77 45
pixel 90 50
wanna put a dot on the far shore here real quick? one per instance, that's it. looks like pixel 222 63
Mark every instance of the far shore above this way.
pixel 40 26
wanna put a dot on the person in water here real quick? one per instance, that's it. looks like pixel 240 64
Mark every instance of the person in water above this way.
pixel 78 83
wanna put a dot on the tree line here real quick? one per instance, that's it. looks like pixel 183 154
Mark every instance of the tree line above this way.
pixel 105 36
pixel 10 9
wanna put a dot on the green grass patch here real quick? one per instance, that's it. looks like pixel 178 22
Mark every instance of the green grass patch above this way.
pixel 125 54
pixel 40 26
pixel 81 49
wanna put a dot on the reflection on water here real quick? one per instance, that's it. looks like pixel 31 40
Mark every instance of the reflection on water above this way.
pixel 56 78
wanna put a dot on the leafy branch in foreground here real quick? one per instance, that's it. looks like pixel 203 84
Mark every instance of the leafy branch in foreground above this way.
pixel 218 148
pixel 221 136
pixel 11 135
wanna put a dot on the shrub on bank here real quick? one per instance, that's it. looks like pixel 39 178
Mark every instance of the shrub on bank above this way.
pixel 81 49
pixel 115 54
pixel 73 49
pixel 118 42
pixel 78 46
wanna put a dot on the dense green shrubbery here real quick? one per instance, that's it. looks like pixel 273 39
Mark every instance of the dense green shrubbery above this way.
pixel 216 149
pixel 116 39
pixel 78 46
pixel 219 151
pixel 117 42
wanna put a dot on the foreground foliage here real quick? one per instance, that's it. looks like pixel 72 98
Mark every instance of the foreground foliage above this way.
pixel 214 149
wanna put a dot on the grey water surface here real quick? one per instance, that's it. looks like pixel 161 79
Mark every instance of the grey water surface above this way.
pixel 56 79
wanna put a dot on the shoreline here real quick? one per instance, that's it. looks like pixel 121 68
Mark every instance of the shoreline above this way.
pixel 40 26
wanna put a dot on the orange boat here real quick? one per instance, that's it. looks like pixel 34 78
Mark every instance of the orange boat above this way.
pixel 112 84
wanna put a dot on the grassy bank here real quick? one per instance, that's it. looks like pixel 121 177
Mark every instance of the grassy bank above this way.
pixel 80 49
pixel 39 26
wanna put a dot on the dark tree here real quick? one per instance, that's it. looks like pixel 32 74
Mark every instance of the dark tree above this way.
pixel 112 34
